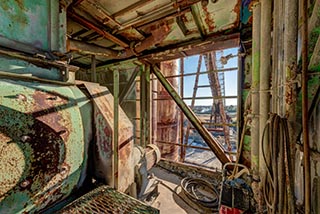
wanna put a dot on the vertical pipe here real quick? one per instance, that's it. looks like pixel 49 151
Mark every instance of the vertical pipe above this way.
pixel 182 148
pixel 148 107
pixel 275 53
pixel 290 62
pixel 255 91
pixel 93 69
pixel 305 128
pixel 143 103
pixel 116 126
pixel 154 108
pixel 265 67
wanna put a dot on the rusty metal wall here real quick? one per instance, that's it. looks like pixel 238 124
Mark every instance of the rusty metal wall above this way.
pixel 168 114
pixel 103 117
pixel 43 145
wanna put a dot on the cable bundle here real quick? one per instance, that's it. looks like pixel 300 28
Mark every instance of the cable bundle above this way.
pixel 277 182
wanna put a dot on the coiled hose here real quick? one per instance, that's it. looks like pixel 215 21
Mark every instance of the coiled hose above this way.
pixel 277 182
pixel 200 191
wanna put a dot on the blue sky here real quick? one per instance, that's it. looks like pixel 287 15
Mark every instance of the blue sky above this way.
pixel 190 66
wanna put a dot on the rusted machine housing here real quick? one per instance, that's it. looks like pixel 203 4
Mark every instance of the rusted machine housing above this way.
pixel 45 133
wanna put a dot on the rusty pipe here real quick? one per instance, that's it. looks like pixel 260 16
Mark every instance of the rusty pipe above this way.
pixel 305 128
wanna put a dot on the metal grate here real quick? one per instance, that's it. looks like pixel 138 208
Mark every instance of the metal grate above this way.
pixel 104 199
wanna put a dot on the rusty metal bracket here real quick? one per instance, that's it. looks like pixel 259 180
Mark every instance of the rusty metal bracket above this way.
pixel 204 133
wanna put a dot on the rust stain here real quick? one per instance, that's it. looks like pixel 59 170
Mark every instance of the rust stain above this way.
pixel 208 19
pixel 20 3
pixel 45 109
pixel 237 10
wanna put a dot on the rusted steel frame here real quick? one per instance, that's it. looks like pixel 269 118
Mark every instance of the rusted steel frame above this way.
pixel 93 69
pixel 218 124
pixel 205 134
pixel 157 36
pixel 194 94
pixel 305 125
pixel 197 22
pixel 216 91
pixel 145 106
pixel 129 85
pixel 200 45
pixel 81 20
pixel 203 72
pixel 131 8
pixel 182 149
pixel 115 136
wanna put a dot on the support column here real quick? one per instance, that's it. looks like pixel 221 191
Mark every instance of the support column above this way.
pixel 182 148
pixel 305 125
pixel 290 73
pixel 145 106
pixel 255 92
pixel 265 70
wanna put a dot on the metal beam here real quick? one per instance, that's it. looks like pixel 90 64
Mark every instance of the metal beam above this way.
pixel 197 21
pixel 305 125
pixel 93 69
pixel 204 133
pixel 81 20
pixel 129 85
pixel 182 148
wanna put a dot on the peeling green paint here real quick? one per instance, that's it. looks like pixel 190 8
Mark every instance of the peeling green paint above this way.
pixel 42 143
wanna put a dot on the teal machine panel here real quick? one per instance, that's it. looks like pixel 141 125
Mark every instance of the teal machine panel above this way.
pixel 32 29
pixel 44 137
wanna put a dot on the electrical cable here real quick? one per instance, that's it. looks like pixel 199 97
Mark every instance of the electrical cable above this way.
pixel 277 195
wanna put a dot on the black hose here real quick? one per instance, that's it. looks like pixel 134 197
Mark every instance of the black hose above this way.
pixel 193 189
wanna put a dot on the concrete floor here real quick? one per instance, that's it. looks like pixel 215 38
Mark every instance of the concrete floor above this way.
pixel 171 200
